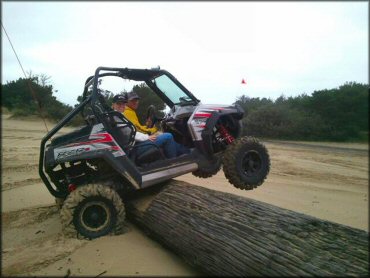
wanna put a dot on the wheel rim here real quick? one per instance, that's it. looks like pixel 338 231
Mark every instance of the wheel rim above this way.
pixel 94 216
pixel 251 163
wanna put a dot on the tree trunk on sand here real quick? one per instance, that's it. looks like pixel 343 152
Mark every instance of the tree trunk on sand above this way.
pixel 224 234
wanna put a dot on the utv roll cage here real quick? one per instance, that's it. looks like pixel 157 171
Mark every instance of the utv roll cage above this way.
pixel 98 105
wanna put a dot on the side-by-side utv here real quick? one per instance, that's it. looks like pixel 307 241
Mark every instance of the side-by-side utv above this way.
pixel 89 169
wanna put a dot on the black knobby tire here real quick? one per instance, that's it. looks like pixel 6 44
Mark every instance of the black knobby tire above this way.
pixel 246 163
pixel 210 170
pixel 92 211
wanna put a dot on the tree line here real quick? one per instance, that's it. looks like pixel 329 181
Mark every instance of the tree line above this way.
pixel 338 114
pixel 17 97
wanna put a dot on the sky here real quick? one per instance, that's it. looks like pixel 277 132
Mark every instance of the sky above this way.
pixel 278 48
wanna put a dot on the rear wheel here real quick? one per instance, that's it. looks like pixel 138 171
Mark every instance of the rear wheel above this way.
pixel 92 211
pixel 246 163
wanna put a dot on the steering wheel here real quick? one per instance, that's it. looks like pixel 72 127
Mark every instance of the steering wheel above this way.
pixel 150 114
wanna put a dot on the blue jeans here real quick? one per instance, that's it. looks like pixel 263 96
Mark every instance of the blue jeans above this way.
pixel 170 147
pixel 165 141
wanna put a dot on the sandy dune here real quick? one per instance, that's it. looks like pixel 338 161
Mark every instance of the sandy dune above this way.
pixel 326 180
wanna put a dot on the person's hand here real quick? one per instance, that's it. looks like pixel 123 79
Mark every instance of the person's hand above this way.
pixel 148 122
pixel 152 137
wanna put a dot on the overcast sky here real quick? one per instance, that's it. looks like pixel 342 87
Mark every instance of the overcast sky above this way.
pixel 279 48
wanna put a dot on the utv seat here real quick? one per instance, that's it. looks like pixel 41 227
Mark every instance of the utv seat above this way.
pixel 150 154
pixel 121 129
pixel 124 132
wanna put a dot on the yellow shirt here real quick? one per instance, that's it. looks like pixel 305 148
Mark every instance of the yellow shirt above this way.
pixel 130 115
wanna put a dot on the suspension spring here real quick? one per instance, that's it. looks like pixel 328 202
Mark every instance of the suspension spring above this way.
pixel 225 134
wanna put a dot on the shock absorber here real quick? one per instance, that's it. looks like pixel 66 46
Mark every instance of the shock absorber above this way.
pixel 225 134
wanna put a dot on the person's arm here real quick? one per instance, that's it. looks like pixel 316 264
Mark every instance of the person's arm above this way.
pixel 140 137
pixel 132 117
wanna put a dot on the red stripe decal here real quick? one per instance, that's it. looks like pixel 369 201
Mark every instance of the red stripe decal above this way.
pixel 202 115
pixel 103 138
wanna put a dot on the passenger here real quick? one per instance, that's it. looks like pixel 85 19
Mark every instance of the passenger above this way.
pixel 119 103
pixel 165 140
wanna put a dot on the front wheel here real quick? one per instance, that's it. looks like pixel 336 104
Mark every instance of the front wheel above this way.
pixel 246 163
pixel 92 211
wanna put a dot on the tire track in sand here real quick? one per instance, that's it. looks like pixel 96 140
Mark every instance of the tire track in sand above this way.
pixel 32 240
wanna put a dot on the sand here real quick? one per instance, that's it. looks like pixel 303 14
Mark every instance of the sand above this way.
pixel 325 180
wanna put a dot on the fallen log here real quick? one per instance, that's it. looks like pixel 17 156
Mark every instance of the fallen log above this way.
pixel 224 234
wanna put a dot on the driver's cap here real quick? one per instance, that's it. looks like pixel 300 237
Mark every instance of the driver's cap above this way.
pixel 120 98
pixel 132 95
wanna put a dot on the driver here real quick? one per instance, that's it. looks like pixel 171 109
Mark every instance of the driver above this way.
pixel 130 114
pixel 165 140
